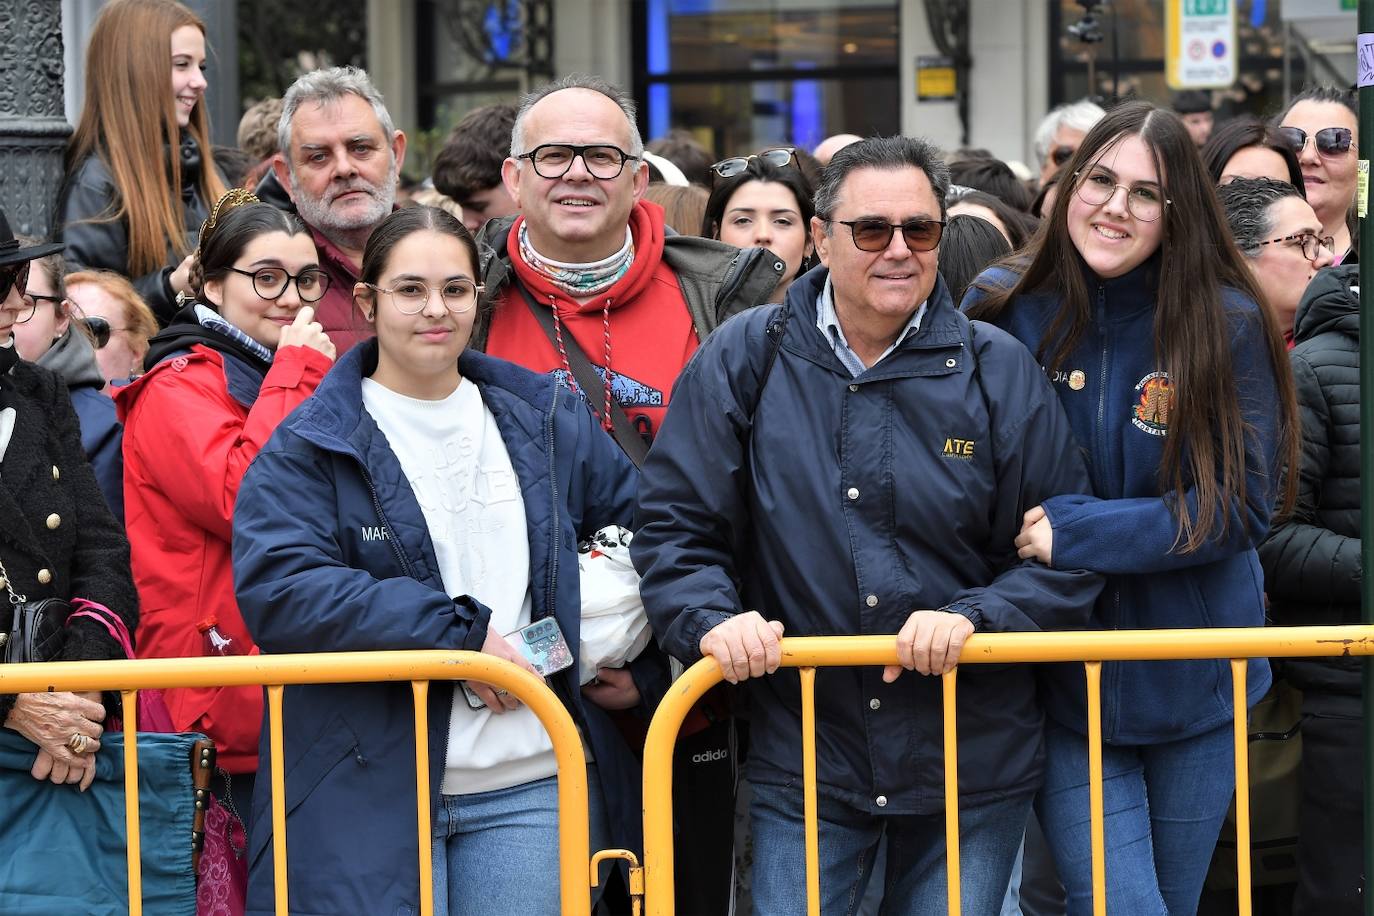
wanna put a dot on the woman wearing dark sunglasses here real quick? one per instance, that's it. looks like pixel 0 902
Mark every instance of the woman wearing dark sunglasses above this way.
pixel 46 334
pixel 1320 126
pixel 224 373
pixel 763 201
pixel 57 540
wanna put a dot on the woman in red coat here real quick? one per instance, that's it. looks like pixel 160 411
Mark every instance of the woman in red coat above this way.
pixel 229 368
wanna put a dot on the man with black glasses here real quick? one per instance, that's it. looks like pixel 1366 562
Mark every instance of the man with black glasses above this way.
pixel 586 283
pixel 859 461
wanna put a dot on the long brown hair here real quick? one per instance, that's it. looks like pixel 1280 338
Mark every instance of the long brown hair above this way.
pixel 1205 448
pixel 129 120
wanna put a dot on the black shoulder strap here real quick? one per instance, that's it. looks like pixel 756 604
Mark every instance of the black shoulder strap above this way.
pixel 630 441
pixel 777 327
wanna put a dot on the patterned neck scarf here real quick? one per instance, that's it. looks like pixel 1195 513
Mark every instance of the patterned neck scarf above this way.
pixel 209 318
pixel 579 280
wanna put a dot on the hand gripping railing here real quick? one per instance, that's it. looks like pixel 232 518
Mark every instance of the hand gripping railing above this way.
pixel 276 671
pixel 1092 649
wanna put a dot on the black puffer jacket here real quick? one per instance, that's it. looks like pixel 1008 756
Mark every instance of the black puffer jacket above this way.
pixel 94 241
pixel 57 537
pixel 1312 560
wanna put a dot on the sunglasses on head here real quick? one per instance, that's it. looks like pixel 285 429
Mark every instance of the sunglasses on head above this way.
pixel 729 168
pixel 1330 141
pixel 14 276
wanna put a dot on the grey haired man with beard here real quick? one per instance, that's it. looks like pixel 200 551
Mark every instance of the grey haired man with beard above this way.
pixel 339 162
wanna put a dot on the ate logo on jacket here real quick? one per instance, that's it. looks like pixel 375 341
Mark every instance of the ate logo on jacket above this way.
pixel 958 448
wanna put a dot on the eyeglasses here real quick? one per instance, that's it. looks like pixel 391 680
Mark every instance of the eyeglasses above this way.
pixel 876 234
pixel 100 329
pixel 30 308
pixel 553 160
pixel 1310 241
pixel 1062 154
pixel 411 296
pixel 780 157
pixel 1144 201
pixel 270 282
pixel 1330 141
pixel 13 275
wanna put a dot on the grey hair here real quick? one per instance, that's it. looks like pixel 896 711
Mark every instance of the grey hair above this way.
pixel 888 153
pixel 578 81
pixel 1248 203
pixel 330 85
pixel 1081 115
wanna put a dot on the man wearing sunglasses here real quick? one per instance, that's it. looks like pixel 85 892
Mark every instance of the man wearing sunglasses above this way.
pixel 1058 136
pixel 858 461
pixel 586 283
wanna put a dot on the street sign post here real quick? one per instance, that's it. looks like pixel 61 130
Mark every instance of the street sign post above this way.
pixel 1200 43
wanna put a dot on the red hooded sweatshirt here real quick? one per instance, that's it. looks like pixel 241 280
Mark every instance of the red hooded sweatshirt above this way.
pixel 643 317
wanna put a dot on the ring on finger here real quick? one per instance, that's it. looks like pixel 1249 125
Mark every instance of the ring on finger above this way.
pixel 79 743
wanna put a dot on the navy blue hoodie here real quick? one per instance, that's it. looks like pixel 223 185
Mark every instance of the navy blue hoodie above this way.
pixel 1117 398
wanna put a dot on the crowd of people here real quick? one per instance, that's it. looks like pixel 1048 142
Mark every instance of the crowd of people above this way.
pixel 272 400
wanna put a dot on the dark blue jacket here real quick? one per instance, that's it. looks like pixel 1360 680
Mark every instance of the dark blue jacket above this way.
pixel 311 576
pixel 849 504
pixel 1127 531
pixel 102 435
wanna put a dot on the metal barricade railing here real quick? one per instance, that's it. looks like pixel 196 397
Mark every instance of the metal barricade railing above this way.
pixel 274 672
pixel 1090 648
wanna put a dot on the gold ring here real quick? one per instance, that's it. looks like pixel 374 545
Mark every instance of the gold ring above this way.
pixel 78 743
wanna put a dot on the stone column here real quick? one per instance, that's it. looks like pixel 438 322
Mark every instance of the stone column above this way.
pixel 33 128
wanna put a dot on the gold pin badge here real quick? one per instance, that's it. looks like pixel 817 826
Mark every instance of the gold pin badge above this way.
pixel 1077 379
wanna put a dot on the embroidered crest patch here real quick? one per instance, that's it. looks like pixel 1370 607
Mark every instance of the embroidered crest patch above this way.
pixel 1154 398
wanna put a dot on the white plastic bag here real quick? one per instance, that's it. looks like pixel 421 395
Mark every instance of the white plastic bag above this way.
pixel 614 627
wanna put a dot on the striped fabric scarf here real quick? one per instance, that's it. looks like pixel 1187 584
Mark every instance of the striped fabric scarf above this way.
pixel 213 320
pixel 579 280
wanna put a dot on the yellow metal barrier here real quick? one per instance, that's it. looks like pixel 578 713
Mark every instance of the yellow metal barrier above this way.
pixel 1091 648
pixel 274 672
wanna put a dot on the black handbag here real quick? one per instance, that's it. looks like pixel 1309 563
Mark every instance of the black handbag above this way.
pixel 35 629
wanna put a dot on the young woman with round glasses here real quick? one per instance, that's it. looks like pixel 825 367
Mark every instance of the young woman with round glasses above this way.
pixel 1320 125
pixel 1177 385
pixel 763 201
pixel 223 374
pixel 429 496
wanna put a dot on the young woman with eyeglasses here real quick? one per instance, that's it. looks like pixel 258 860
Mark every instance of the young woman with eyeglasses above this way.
pixel 1321 126
pixel 428 496
pixel 223 374
pixel 763 201
pixel 139 171
pixel 1176 382
pixel 46 334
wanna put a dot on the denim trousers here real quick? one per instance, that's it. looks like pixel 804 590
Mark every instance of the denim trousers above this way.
pixel 914 876
pixel 1164 805
pixel 497 852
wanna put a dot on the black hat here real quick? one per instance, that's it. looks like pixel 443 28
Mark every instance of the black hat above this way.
pixel 12 253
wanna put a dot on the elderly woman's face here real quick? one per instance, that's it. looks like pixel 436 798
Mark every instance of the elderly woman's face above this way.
pixel 49 321
pixel 122 357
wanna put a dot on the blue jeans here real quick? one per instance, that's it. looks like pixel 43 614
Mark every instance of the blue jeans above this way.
pixel 989 836
pixel 497 852
pixel 1164 806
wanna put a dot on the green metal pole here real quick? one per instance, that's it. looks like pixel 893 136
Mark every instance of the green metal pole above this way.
pixel 1365 69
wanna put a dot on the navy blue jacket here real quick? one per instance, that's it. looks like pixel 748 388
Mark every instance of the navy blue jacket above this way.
pixel 1127 531
pixel 844 505
pixel 312 575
